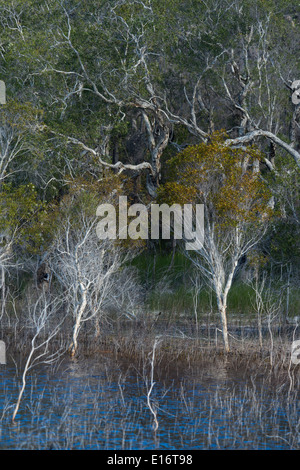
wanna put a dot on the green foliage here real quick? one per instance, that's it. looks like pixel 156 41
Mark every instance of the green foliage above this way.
pixel 24 219
pixel 46 84
pixel 214 175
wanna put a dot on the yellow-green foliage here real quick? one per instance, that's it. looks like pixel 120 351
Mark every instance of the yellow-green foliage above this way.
pixel 215 175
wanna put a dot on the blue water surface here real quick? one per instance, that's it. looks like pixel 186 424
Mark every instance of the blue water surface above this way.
pixel 93 404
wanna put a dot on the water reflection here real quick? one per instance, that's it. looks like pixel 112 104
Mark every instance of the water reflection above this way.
pixel 102 405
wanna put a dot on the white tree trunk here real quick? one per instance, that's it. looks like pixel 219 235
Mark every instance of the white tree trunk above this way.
pixel 78 320
pixel 222 310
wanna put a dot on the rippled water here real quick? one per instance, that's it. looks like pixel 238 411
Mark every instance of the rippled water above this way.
pixel 93 404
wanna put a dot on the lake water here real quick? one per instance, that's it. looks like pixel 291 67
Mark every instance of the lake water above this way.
pixel 99 404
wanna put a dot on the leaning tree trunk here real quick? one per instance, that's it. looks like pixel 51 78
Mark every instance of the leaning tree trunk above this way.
pixel 78 320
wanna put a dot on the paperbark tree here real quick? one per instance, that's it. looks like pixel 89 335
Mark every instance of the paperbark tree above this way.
pixel 19 125
pixel 94 66
pixel 244 78
pixel 121 82
pixel 236 205
pixel 46 325
pixel 84 266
